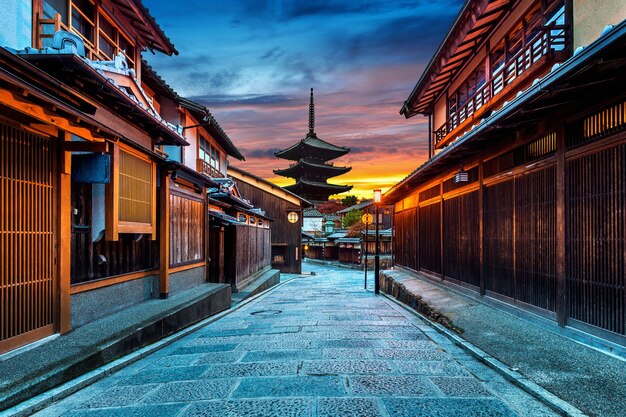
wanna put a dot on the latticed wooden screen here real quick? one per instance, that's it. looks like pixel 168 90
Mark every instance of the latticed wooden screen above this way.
pixel 136 188
pixel 186 230
pixel 27 221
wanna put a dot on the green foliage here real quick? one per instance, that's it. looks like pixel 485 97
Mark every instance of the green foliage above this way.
pixel 351 217
pixel 349 200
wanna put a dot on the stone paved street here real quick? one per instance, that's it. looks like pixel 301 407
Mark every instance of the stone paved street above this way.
pixel 315 346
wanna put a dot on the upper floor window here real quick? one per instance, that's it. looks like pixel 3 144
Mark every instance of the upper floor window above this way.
pixel 103 39
pixel 209 154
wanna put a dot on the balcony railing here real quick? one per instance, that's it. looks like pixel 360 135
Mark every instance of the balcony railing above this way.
pixel 546 44
pixel 205 168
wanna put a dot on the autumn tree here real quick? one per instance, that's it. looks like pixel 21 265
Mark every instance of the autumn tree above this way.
pixel 352 217
pixel 349 200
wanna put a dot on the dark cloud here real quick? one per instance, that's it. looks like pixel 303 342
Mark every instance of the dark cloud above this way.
pixel 260 153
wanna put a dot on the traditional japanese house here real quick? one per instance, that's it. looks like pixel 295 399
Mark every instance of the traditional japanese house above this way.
pixel 285 210
pixel 90 197
pixel 241 236
pixel 349 250
pixel 522 197
pixel 312 169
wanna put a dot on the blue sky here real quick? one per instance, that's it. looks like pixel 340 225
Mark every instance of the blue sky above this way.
pixel 253 62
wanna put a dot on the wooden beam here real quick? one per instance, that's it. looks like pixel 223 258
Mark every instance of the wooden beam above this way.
pixel 112 193
pixel 64 234
pixel 164 235
pixel 16 102
pixel 74 146
pixel 481 227
pixel 561 204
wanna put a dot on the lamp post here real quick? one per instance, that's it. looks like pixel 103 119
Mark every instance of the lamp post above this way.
pixel 377 198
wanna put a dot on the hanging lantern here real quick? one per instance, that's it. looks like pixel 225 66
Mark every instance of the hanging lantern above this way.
pixel 292 217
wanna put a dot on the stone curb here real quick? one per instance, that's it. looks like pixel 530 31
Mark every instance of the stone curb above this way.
pixel 560 406
pixel 43 400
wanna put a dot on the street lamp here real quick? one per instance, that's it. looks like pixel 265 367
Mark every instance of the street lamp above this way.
pixel 377 198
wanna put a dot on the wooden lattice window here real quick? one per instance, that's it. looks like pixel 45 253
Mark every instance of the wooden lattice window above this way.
pixel 186 228
pixel 131 196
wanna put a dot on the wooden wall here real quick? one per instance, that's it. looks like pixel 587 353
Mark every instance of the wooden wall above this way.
pixel 28 254
pixel 287 237
pixel 186 228
pixel 247 250
pixel 502 234
pixel 105 258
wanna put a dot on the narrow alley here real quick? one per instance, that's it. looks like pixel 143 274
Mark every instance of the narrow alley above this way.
pixel 317 345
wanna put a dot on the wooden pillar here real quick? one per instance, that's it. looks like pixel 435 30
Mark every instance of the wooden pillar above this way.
pixel 207 233
pixel 64 233
pixel 481 227
pixel 112 194
pixel 441 245
pixel 561 204
pixel 164 235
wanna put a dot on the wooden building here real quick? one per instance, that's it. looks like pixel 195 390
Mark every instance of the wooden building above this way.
pixel 240 236
pixel 105 171
pixel 278 205
pixel 522 198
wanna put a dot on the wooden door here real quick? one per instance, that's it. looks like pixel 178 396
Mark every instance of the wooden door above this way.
pixel 27 237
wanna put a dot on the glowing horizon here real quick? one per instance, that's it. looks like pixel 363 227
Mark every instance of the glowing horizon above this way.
pixel 256 64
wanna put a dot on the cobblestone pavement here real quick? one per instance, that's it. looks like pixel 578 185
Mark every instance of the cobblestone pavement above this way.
pixel 315 346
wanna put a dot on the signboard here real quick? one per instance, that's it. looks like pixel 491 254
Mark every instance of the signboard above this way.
pixel 367 218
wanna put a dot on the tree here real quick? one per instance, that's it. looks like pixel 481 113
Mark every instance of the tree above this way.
pixel 330 207
pixel 349 200
pixel 351 217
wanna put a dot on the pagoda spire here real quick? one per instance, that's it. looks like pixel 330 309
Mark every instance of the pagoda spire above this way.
pixel 311 115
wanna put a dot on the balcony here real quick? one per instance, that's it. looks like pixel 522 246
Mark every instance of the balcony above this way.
pixel 205 168
pixel 547 48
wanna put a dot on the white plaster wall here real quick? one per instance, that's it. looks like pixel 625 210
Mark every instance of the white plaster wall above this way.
pixel 16 23
pixel 591 16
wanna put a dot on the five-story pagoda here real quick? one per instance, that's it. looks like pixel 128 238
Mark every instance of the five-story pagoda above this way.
pixel 312 169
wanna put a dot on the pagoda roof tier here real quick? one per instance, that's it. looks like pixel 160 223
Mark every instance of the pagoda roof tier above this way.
pixel 312 147
pixel 316 191
pixel 304 167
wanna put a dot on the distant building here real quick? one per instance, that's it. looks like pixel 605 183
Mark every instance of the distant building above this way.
pixel 279 204
pixel 313 221
pixel 312 169
pixel 522 198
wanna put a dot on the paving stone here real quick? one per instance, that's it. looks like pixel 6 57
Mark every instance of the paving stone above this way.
pixel 161 410
pixel 409 386
pixel 345 343
pixel 346 367
pixel 251 408
pixel 275 345
pixel 410 344
pixel 430 368
pixel 219 357
pixel 177 360
pixel 182 373
pixel 316 386
pixel 249 369
pixel 345 353
pixel 187 391
pixel 120 396
pixel 348 407
pixel 448 407
pixel 282 355
pixel 216 347
pixel 460 387
pixel 421 354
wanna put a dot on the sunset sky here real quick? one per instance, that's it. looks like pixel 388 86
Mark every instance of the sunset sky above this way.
pixel 252 62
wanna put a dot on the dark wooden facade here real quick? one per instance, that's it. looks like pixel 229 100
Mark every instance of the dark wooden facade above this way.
pixel 247 250
pixel 540 222
pixel 277 203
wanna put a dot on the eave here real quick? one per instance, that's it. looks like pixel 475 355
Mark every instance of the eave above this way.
pixel 78 74
pixel 208 122
pixel 474 23
pixel 312 146
pixel 302 167
pixel 588 69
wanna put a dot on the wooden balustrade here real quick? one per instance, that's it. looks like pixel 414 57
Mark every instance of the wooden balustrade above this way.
pixel 550 40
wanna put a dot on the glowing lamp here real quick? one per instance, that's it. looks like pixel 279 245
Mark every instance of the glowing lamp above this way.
pixel 292 217
pixel 377 196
